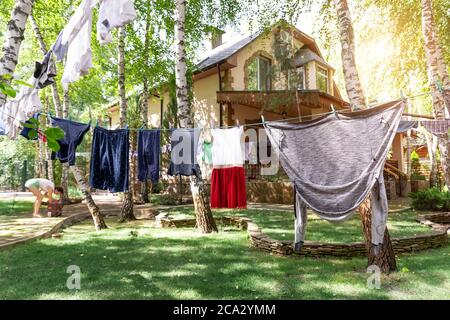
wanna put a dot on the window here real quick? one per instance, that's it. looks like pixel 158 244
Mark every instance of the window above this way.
pixel 322 79
pixel 296 79
pixel 258 74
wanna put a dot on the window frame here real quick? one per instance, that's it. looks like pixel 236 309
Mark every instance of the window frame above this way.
pixel 327 77
pixel 268 85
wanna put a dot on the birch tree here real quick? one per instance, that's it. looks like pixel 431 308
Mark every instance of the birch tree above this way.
pixel 385 259
pixel 13 39
pixel 438 78
pixel 126 213
pixel 205 220
pixel 352 83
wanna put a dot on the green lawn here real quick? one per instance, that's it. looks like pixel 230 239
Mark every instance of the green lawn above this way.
pixel 137 261
pixel 280 224
pixel 9 207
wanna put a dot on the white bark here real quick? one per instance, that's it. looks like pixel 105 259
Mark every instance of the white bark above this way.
pixel 13 39
pixel 99 222
pixel 205 220
pixel 434 58
pixel 352 82
pixel 180 67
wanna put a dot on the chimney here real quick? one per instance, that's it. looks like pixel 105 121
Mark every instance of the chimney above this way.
pixel 216 38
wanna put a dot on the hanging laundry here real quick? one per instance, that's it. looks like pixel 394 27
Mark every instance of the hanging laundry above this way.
pixel 20 109
pixel 183 155
pixel 205 152
pixel 110 160
pixel 228 176
pixel 75 39
pixel 335 161
pixel 149 142
pixel 438 128
pixel 74 133
pixel 25 131
pixel 113 14
pixel 44 72
pixel 405 126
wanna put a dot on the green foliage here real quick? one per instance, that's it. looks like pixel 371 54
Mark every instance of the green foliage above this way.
pixel 431 199
pixel 52 134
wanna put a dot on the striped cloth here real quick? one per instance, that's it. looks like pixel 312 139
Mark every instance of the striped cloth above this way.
pixel 438 128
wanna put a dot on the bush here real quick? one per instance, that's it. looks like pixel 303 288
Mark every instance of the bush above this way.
pixel 165 199
pixel 431 199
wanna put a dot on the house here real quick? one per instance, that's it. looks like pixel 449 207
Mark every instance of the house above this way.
pixel 280 73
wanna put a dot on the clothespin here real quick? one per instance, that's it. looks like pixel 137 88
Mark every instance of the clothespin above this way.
pixel 237 123
pixel 262 118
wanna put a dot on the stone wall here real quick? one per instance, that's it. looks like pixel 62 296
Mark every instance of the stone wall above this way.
pixel 270 192
pixel 263 242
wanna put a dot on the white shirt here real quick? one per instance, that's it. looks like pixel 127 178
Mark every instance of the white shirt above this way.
pixel 227 147
pixel 19 110
pixel 113 14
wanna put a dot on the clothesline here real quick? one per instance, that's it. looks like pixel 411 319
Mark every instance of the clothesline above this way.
pixel 280 120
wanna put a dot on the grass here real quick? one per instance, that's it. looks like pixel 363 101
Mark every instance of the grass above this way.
pixel 138 261
pixel 280 224
pixel 10 207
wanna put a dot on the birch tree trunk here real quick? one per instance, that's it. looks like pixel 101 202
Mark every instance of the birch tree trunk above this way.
pixel 385 259
pixel 352 83
pixel 99 221
pixel 13 39
pixel 126 213
pixel 146 185
pixel 205 219
pixel 50 171
pixel 54 86
pixel 437 73
pixel 65 166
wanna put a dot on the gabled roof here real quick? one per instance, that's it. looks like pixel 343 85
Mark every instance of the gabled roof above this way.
pixel 223 52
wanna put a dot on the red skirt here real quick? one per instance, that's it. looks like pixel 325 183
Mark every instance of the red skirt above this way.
pixel 228 188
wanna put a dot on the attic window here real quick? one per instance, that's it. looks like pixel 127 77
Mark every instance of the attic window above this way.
pixel 258 74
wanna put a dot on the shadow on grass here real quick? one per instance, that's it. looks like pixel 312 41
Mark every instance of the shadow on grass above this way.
pixel 182 264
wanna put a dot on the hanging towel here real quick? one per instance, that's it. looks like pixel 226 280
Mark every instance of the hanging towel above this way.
pixel 336 160
pixel 74 133
pixel 19 110
pixel 438 128
pixel 405 126
pixel 75 39
pixel 228 177
pixel 149 142
pixel 110 160
pixel 183 155
pixel 113 14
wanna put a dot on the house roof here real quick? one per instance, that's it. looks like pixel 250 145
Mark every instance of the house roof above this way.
pixel 223 52
pixel 226 50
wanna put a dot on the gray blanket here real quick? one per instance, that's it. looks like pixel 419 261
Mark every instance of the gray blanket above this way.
pixel 335 161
